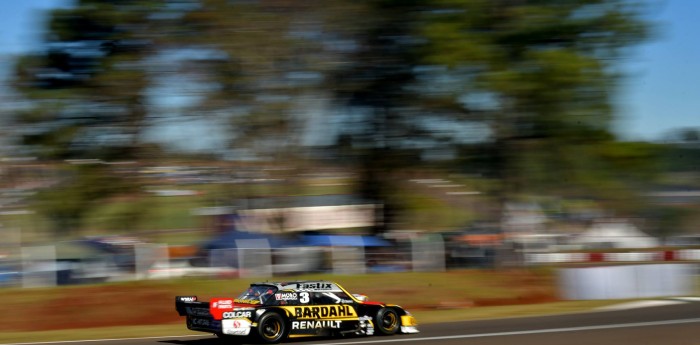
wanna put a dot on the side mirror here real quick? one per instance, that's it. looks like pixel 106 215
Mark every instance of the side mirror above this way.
pixel 361 298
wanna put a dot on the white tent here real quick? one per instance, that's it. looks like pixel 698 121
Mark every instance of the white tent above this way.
pixel 523 218
pixel 616 234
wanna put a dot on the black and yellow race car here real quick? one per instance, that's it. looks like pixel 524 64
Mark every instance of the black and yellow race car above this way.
pixel 272 312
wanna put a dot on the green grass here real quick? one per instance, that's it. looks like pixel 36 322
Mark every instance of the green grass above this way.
pixel 138 214
pixel 88 308
pixel 426 212
pixel 145 213
pixel 151 213
pixel 432 297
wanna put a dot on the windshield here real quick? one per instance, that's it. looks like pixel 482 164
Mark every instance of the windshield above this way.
pixel 257 294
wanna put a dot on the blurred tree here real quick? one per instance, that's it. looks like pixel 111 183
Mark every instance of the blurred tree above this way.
pixel 86 98
pixel 262 63
pixel 670 220
pixel 79 190
pixel 109 70
pixel 243 52
pixel 542 75
pixel 684 135
pixel 524 87
pixel 373 87
pixel 692 135
pixel 680 154
pixel 87 86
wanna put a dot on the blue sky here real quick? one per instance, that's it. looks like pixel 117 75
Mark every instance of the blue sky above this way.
pixel 18 20
pixel 661 94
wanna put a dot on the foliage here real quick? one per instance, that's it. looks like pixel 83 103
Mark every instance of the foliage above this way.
pixel 79 192
pixel 543 75
pixel 524 89
pixel 87 85
pixel 680 158
pixel 518 91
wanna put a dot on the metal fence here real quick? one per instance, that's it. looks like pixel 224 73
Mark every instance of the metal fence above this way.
pixel 40 266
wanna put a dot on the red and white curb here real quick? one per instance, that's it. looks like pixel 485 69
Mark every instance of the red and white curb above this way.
pixel 638 256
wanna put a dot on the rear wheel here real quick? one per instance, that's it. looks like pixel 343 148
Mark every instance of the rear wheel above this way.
pixel 387 321
pixel 271 328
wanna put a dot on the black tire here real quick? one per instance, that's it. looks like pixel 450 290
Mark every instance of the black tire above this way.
pixel 271 328
pixel 387 321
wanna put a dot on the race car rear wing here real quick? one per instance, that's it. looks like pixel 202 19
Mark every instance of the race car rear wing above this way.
pixel 189 305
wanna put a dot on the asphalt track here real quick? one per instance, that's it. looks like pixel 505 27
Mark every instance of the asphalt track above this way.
pixel 668 325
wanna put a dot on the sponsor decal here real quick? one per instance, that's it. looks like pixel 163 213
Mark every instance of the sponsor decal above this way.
pixel 226 308
pixel 315 286
pixel 200 322
pixel 235 327
pixel 188 299
pixel 286 296
pixel 247 301
pixel 197 311
pixel 315 324
pixel 366 325
pixel 222 304
pixel 324 312
pixel 236 314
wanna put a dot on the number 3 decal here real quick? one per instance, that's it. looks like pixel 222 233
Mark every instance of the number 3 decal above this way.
pixel 304 297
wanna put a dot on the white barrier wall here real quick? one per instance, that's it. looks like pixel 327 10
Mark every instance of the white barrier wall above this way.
pixel 628 281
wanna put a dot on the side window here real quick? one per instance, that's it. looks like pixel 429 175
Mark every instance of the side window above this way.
pixel 329 298
pixel 319 298
pixel 344 298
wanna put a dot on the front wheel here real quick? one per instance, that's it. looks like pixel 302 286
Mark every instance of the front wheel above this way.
pixel 271 328
pixel 387 321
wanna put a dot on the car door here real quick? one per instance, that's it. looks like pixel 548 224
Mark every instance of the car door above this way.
pixel 321 313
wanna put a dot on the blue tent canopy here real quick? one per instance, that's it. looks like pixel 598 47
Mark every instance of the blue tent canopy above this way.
pixel 344 241
pixel 231 239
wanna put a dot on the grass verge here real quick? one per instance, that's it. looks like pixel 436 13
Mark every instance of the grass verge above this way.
pixel 145 308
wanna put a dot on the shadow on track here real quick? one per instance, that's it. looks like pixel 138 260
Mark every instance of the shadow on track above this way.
pixel 206 341
pixel 243 340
